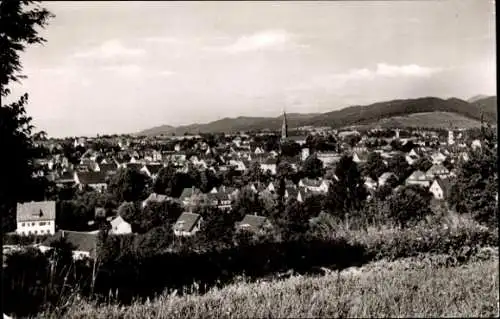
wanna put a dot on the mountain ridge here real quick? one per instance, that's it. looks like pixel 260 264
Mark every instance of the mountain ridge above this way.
pixel 349 116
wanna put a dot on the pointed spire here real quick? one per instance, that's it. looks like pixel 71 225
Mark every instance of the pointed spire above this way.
pixel 284 126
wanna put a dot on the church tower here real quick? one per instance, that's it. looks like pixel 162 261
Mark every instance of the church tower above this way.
pixel 284 128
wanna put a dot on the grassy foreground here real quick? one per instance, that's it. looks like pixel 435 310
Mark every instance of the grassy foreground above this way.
pixel 422 287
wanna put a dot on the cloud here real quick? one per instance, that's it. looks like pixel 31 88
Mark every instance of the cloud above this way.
pixel 110 49
pixel 265 40
pixel 381 71
pixel 125 69
pixel 160 39
pixel 166 73
pixel 405 70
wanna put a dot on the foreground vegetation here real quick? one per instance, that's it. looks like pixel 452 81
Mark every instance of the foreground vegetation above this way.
pixel 421 286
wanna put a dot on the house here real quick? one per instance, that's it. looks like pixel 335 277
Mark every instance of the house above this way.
pixel 84 243
pixel 253 223
pixel 65 179
pixel 370 183
pixel 292 192
pixel 440 188
pixel 437 170
pixel 328 157
pixel 36 218
pixel 411 159
pixel 269 165
pixel 154 197
pixel 318 186
pixel 187 195
pixel 360 157
pixel 119 226
pixel 95 180
pixel 187 224
pixel 106 168
pixel 151 170
pixel 382 180
pixel 475 144
pixel 438 158
pixel 418 178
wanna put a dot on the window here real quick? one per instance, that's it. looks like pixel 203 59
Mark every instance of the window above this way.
pixel 32 224
pixel 22 225
pixel 36 232
pixel 42 223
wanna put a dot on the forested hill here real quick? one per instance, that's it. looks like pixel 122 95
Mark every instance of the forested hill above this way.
pixel 353 115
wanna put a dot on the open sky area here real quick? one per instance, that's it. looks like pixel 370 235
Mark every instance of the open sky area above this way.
pixel 120 67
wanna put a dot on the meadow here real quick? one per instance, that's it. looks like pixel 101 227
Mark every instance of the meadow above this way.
pixel 423 286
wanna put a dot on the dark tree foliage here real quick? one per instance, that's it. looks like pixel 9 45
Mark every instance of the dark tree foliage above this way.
pixel 410 205
pixel 475 188
pixel 128 185
pixel 399 166
pixel 347 192
pixel 164 183
pixel 422 164
pixel 374 166
pixel 20 21
pixel 290 149
pixel 313 167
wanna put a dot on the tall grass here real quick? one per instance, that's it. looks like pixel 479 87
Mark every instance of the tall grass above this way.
pixel 406 288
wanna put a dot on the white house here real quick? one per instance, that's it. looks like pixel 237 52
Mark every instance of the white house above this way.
pixel 440 188
pixel 269 164
pixel 36 218
pixel 187 224
pixel 318 186
pixel 418 178
pixel 119 226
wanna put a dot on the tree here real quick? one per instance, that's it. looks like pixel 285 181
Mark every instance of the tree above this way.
pixel 255 173
pixel 290 149
pixel 409 205
pixel 347 192
pixel 313 167
pixel 374 166
pixel 128 185
pixel 247 203
pixel 284 170
pixel 422 164
pixel 217 229
pixel 20 20
pixel 475 188
pixel 164 182
pixel 399 166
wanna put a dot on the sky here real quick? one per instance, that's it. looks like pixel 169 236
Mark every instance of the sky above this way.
pixel 121 67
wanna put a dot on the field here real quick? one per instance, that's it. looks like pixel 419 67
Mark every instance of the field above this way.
pixel 439 120
pixel 419 286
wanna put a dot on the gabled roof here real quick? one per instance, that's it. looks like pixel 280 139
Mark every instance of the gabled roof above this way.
pixel 417 175
pixel 108 167
pixel 36 211
pixel 252 222
pixel 81 240
pixel 445 184
pixel 117 221
pixel 187 192
pixel 88 178
pixel 153 168
pixel 186 222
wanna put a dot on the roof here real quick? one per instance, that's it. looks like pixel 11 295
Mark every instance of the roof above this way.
pixel 417 175
pixel 154 169
pixel 134 166
pixel 437 168
pixel 252 222
pixel 311 182
pixel 445 184
pixel 108 167
pixel 269 161
pixel 36 211
pixel 81 240
pixel 187 192
pixel 186 221
pixel 154 197
pixel 117 221
pixel 87 178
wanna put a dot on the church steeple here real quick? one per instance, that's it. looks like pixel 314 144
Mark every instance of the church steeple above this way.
pixel 284 128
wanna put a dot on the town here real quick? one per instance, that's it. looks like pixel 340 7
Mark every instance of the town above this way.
pixel 218 169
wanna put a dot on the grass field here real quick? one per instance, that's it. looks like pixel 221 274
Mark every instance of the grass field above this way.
pixel 418 286
pixel 427 119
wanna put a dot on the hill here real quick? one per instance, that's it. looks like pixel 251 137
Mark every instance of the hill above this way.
pixel 477 97
pixel 355 115
pixel 436 120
